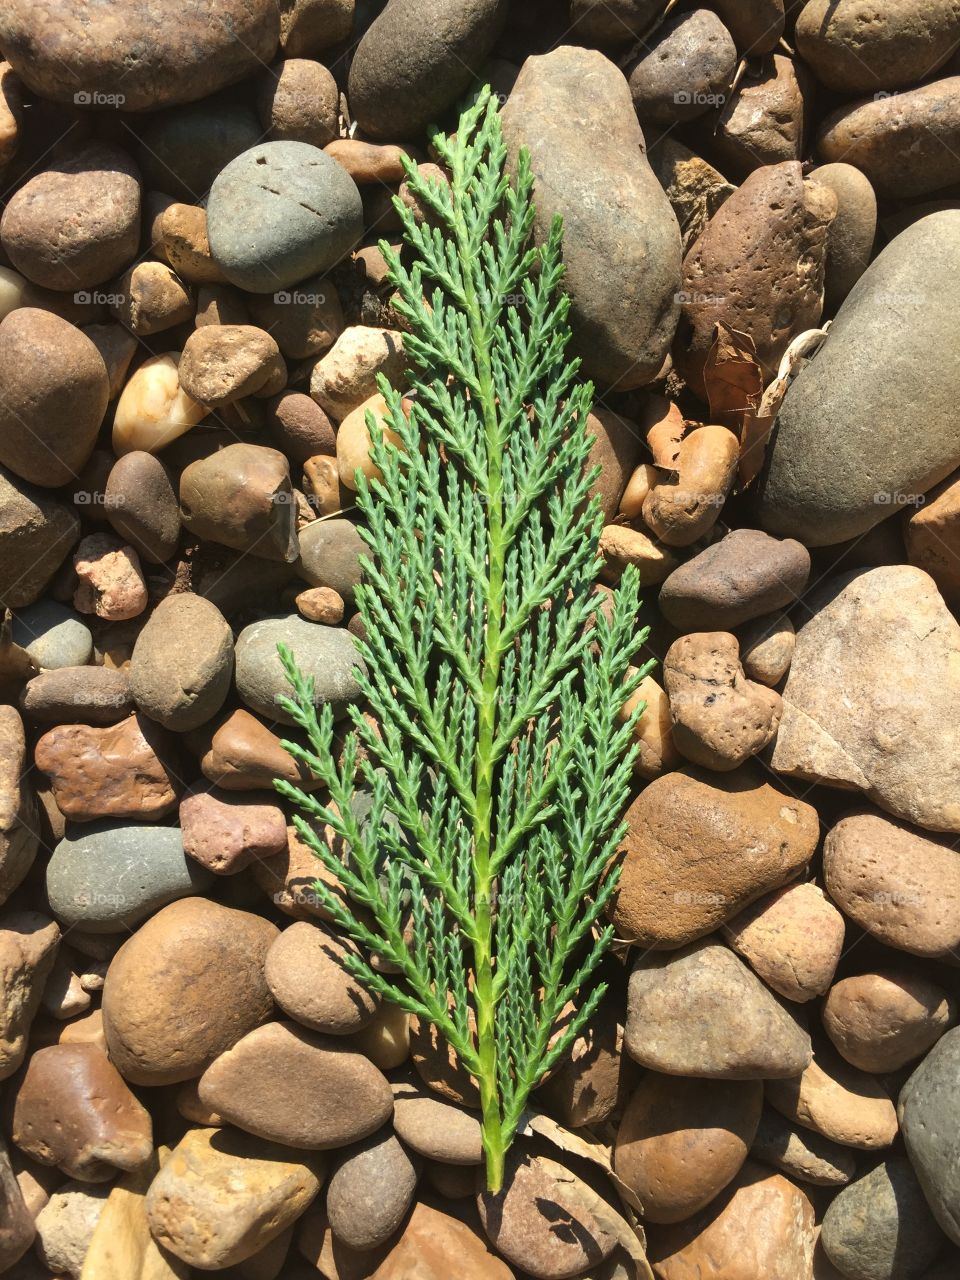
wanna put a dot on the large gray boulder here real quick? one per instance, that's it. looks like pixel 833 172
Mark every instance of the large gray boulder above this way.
pixel 572 110
pixel 930 1120
pixel 871 423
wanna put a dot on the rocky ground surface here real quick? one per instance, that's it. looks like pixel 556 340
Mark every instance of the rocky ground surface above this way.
pixel 194 312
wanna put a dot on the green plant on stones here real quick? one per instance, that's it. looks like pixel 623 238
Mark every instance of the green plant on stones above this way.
pixel 481 805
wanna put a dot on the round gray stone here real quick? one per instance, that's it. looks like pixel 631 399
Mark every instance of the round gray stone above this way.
pixel 326 653
pixel 416 59
pixel 109 876
pixel 53 635
pixel 330 552
pixel 871 423
pixel 280 212
pixel 930 1123
pixel 880 1227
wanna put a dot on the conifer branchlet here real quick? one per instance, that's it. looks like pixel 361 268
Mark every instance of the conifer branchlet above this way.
pixel 480 804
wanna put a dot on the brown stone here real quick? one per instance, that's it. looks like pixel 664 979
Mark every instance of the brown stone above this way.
pixel 763 122
pixel 17 1230
pixel 758 268
pixel 55 395
pixel 684 68
pixel 686 507
pixel 299 427
pixel 719 717
pixel 385 1040
pixel 72 1109
pixel 11 113
pixel 764 1227
pixel 223 363
pixel 701 1012
pixel 367 162
pixel 586 1087
pixel 306 974
pixel 680 1142
pixel 241 497
pixel 837 1100
pixel 907 144
pixel 110 580
pixel 244 755
pixel 28 948
pixel 222 1196
pixel 435 1246
pixel 181 232
pixel 695 189
pixel 36 535
pixel 801 1153
pixel 18 818
pixel 99 187
pixel 881 1021
pixel 766 648
pixel 851 237
pixel 321 604
pixel 186 986
pixel 299 101
pixel 434 1128
pixel 88 695
pixel 182 662
pixel 933 538
pixel 653 735
pixel 370 1190
pixel 309 26
pixel 899 884
pixel 141 505
pixel 125 770
pixel 793 939
pixel 283 1084
pixel 117 347
pixel 290 877
pixel 741 577
pixel 521 1219
pixel 151 299
pixel 756 25
pixel 616 450
pixel 683 870
pixel 225 832
pixel 438 1065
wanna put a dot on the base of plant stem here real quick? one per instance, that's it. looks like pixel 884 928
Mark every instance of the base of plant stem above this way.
pixel 495 1157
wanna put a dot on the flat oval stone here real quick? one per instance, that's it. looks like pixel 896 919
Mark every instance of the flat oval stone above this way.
pixel 107 877
pixel 370 1190
pixel 881 1227
pixel 701 1012
pixel 873 376
pixel 308 979
pixel 52 635
pixel 837 1100
pixel 141 505
pixel 881 1021
pixel 326 653
pixel 182 662
pixel 681 1141
pixel 435 1128
pixel 930 1115
pixel 281 1083
pixel 280 212
pixel 802 1153
pixel 119 54
pixel 418 57
pixel 55 395
pixel 589 163
pixel 855 48
pixel 901 885
pixel 186 986
pixel 77 695
pixel 793 939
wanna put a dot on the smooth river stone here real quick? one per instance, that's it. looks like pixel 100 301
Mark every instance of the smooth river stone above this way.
pixel 589 163
pixel 889 404
pixel 136 55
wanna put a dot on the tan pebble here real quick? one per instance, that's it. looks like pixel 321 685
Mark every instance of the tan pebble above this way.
pixel 654 732
pixel 183 238
pixel 793 939
pixel 327 495
pixel 680 511
pixel 621 545
pixel 366 162
pixel 299 101
pixel 879 1022
pixel 153 409
pixel 150 298
pixel 111 582
pixel 766 648
pixel 321 604
pixel 837 1100
pixel 354 443
pixel 347 375
pixel 385 1040
pixel 639 485
pixel 224 363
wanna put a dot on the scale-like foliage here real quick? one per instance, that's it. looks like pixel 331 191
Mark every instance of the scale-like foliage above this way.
pixel 480 805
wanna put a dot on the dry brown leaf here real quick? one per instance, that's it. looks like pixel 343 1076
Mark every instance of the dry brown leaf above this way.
pixel 663 426
pixel 585 1144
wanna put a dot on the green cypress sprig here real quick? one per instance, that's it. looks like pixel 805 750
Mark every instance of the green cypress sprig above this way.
pixel 481 806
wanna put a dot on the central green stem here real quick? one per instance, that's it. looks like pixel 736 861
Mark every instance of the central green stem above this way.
pixel 494 1143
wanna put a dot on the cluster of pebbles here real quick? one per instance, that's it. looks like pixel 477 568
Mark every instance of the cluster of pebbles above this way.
pixel 194 314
